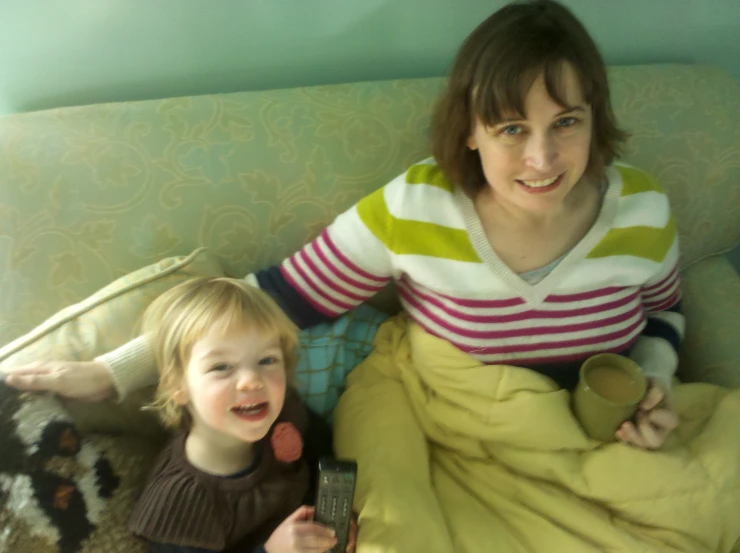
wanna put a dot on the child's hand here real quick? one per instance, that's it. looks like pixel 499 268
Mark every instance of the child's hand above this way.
pixel 300 534
pixel 654 421
pixel 352 536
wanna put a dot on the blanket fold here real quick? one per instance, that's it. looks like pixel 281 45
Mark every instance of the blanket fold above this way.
pixel 456 456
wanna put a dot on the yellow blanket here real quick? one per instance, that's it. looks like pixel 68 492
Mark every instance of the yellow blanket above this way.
pixel 457 456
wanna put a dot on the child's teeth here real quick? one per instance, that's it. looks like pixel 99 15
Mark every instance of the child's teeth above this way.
pixel 540 183
pixel 249 408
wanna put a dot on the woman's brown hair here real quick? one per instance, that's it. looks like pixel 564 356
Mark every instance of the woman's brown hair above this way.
pixel 495 69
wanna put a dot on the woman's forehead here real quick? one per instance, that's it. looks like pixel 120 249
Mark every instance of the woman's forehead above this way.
pixel 554 86
pixel 566 95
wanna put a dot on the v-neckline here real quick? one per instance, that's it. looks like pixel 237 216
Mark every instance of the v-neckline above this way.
pixel 535 294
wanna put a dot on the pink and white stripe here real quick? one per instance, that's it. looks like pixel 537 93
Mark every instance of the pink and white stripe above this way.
pixel 664 294
pixel 328 279
pixel 564 327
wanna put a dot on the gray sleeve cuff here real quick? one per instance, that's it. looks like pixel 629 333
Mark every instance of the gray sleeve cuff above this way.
pixel 251 279
pixel 132 366
pixel 657 358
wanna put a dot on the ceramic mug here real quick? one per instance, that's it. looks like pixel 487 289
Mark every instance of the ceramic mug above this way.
pixel 610 388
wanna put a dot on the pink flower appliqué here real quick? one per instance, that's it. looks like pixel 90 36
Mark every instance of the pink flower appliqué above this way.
pixel 286 441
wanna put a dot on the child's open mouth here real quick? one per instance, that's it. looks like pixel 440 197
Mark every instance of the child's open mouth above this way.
pixel 251 413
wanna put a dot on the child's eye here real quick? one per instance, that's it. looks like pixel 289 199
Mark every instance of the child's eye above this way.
pixel 220 367
pixel 270 360
pixel 564 122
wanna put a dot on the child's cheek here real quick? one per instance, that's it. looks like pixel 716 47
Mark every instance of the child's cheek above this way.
pixel 214 401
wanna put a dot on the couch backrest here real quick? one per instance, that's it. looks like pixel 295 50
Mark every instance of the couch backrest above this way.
pixel 685 127
pixel 90 193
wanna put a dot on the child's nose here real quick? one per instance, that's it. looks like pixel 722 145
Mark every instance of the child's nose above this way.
pixel 248 380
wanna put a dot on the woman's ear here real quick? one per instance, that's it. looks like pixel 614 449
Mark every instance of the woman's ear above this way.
pixel 472 143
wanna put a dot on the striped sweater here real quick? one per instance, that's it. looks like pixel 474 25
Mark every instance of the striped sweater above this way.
pixel 617 290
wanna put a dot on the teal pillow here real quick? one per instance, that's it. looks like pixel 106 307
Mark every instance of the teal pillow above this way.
pixel 329 351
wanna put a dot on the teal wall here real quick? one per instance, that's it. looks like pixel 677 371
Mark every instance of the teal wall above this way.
pixel 64 52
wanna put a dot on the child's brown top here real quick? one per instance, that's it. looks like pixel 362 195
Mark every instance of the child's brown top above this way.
pixel 184 506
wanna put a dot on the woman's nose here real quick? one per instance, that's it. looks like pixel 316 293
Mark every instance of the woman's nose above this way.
pixel 540 152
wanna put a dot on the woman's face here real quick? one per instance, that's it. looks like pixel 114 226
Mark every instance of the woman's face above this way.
pixel 532 164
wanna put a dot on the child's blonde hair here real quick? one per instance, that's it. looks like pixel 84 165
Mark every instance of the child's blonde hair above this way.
pixel 181 316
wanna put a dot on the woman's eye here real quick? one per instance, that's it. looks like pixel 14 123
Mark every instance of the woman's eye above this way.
pixel 566 122
pixel 511 130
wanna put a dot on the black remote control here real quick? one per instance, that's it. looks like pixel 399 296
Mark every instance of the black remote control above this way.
pixel 334 498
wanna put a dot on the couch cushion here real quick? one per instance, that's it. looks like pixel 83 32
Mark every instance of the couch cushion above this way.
pixel 711 304
pixel 685 127
pixel 100 323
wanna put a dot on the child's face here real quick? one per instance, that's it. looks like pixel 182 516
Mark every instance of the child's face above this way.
pixel 532 164
pixel 234 384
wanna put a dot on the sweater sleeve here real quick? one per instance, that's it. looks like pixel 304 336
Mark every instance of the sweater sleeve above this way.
pixel 132 366
pixel 656 349
pixel 344 266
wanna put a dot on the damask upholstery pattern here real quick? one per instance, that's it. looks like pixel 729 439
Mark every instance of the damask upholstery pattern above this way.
pixel 710 352
pixel 88 194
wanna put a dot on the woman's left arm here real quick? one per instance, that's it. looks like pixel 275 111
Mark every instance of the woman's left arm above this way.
pixel 656 349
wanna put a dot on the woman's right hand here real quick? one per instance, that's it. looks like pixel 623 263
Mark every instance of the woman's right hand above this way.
pixel 83 380
pixel 300 534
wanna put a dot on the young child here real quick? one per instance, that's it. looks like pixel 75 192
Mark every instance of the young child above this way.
pixel 237 474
